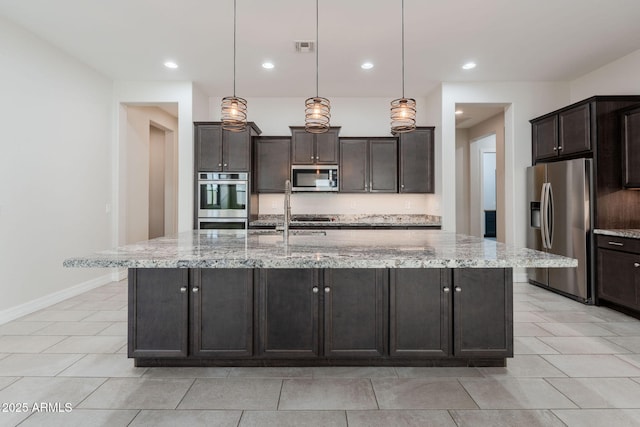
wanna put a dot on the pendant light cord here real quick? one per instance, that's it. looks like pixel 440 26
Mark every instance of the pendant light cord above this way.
pixel 234 48
pixel 317 44
pixel 403 48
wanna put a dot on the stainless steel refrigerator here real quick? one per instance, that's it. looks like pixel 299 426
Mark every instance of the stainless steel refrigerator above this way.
pixel 560 220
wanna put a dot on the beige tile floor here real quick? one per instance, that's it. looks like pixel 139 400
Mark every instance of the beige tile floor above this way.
pixel 575 365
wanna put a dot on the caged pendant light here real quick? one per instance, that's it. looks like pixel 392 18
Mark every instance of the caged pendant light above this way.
pixel 403 110
pixel 317 109
pixel 234 109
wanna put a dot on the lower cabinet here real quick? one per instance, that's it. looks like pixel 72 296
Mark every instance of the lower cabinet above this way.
pixel 618 271
pixel 275 316
pixel 221 308
pixel 158 312
pixel 331 313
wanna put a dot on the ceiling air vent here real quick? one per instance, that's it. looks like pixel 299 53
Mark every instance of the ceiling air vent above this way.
pixel 304 46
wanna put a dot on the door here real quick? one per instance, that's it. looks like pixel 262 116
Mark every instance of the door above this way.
pixel 570 223
pixel 222 312
pixel 536 177
pixel 416 161
pixel 272 168
pixel 545 137
pixel 302 147
pixel 289 304
pixel 158 312
pixel 575 130
pixel 354 312
pixel 327 147
pixel 383 165
pixel 483 312
pixel 618 279
pixel 209 146
pixel 419 312
pixel 354 167
pixel 236 150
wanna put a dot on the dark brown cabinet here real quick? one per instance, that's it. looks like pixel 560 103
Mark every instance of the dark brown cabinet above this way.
pixel 565 133
pixel 483 312
pixel 218 150
pixel 314 149
pixel 158 312
pixel 420 313
pixel 631 147
pixel 221 306
pixel 416 151
pixel 618 266
pixel 368 165
pixel 272 166
pixel 350 301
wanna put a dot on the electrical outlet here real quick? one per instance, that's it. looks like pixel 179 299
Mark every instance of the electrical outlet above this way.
pixel 107 208
pixel 407 204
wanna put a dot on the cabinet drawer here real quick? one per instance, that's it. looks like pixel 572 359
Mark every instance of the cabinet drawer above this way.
pixel 618 243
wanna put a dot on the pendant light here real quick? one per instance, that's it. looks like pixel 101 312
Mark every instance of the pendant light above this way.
pixel 317 110
pixel 234 109
pixel 403 110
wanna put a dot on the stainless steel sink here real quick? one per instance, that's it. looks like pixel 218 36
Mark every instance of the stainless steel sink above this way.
pixel 310 219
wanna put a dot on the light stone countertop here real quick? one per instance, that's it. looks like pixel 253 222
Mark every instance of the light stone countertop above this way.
pixel 628 233
pixel 350 220
pixel 320 249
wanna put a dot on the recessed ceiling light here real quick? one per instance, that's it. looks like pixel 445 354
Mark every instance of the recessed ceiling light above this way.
pixel 367 66
pixel 469 66
pixel 459 112
pixel 171 64
pixel 268 65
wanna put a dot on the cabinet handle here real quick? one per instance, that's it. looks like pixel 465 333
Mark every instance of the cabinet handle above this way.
pixel 183 289
pixel 635 264
pixel 315 289
pixel 446 289
pixel 225 165
pixel 616 243
pixel 555 149
pixel 317 157
pixel 327 289
pixel 458 289
pixel 402 186
pixel 559 147
pixel 311 157
pixel 195 290
pixel 219 165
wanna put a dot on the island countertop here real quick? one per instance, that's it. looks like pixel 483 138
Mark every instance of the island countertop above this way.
pixel 323 249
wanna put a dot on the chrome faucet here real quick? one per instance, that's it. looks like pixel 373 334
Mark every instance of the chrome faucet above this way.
pixel 287 209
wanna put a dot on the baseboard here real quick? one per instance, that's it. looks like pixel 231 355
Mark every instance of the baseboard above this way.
pixel 18 311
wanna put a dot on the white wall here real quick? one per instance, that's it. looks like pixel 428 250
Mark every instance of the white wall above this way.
pixel 55 170
pixel 621 77
pixel 477 206
pixel 357 117
pixel 462 181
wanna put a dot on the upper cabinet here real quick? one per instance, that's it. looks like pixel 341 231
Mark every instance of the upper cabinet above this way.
pixel 562 134
pixel 416 161
pixel 631 147
pixel 368 165
pixel 218 150
pixel 314 149
pixel 272 166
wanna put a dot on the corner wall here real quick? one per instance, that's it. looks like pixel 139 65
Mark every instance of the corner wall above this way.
pixel 55 188
pixel 620 77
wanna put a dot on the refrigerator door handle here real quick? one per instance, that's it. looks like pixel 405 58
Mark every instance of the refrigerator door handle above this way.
pixel 551 215
pixel 543 215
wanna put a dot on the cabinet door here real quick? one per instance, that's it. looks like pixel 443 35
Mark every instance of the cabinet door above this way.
pixel 420 312
pixel 631 146
pixel 618 279
pixel 236 150
pixel 354 312
pixel 416 161
pixel 354 167
pixel 222 312
pixel 208 148
pixel 383 165
pixel 545 138
pixel 327 147
pixel 272 164
pixel 158 312
pixel 483 312
pixel 289 313
pixel 302 147
pixel 575 130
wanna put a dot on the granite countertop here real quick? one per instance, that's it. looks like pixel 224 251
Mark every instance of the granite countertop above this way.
pixel 621 232
pixel 342 220
pixel 320 249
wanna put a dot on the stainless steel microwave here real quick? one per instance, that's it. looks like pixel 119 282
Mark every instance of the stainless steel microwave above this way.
pixel 314 178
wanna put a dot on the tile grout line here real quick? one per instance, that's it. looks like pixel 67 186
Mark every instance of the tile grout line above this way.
pixel 185 393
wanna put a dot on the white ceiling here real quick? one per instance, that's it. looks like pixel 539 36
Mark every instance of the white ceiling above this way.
pixel 510 40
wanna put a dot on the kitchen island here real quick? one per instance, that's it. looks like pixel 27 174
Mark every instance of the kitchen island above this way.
pixel 335 297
